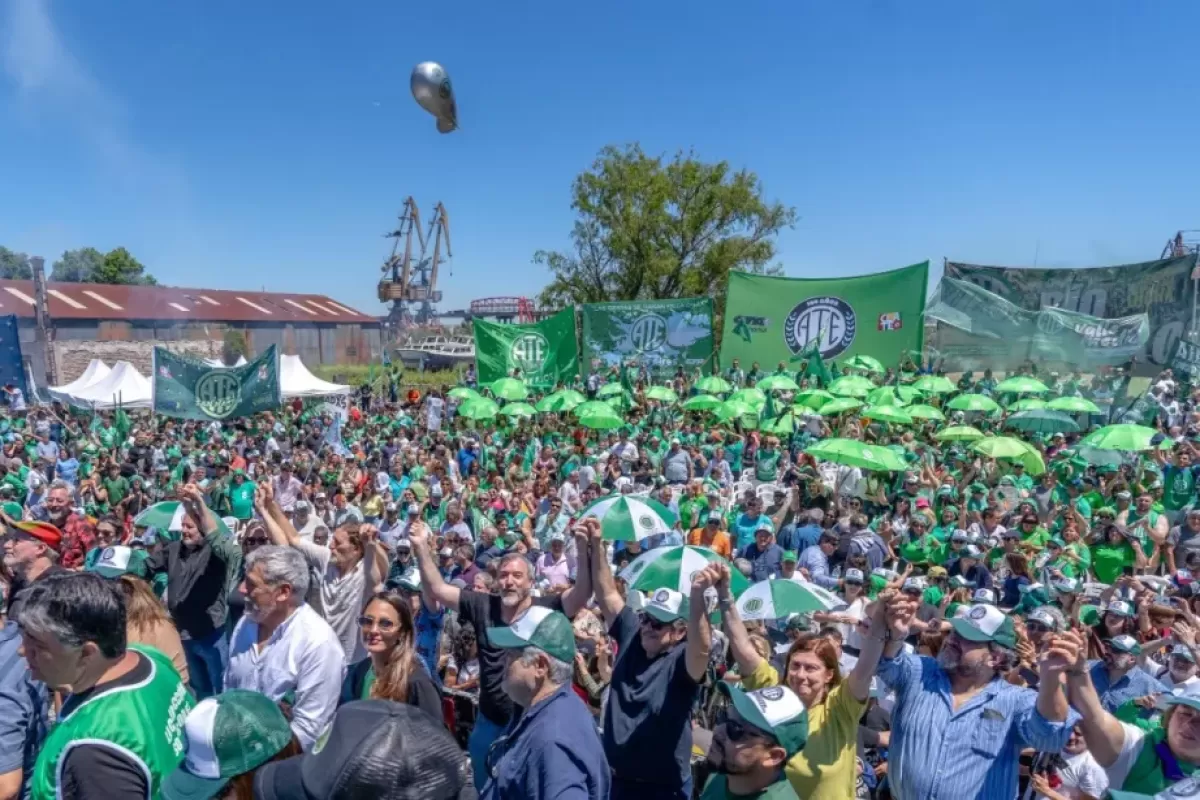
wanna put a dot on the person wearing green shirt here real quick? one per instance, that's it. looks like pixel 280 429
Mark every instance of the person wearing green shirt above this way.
pixel 766 461
pixel 1114 555
pixel 1021 480
pixel 122 723
pixel 115 485
pixel 241 496
pixel 764 729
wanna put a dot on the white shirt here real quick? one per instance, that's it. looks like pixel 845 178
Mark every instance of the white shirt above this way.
pixel 286 494
pixel 339 598
pixel 569 493
pixel 303 657
pixel 1082 775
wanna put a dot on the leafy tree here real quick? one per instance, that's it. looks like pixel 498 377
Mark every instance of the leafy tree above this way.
pixel 652 230
pixel 120 267
pixel 77 266
pixel 14 265
pixel 234 346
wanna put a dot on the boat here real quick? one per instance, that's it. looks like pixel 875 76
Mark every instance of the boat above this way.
pixel 436 352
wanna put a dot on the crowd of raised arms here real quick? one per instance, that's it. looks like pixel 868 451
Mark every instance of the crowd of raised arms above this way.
pixel 866 584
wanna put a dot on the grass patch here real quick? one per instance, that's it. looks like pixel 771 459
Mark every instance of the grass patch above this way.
pixel 356 375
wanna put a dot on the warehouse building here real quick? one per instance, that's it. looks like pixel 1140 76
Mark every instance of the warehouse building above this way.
pixel 87 320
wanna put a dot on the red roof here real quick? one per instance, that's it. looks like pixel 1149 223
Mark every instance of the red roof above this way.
pixel 104 301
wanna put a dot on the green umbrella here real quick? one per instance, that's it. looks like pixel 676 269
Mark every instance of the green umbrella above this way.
pixel 1128 438
pixel 1027 404
pixel 663 393
pixel 777 383
pixel 973 402
pixel 628 518
pixel 464 393
pixel 851 386
pixel 167 516
pixel 888 414
pixel 559 401
pixel 713 385
pixel 600 422
pixel 751 397
pixel 782 597
pixel 839 406
pixel 619 401
pixel 610 389
pixel 1076 405
pixel 509 389
pixel 853 453
pixel 1020 384
pixel 594 408
pixel 958 433
pixel 673 567
pixel 1013 449
pixel 783 424
pixel 482 408
pixel 934 384
pixel 518 410
pixel 925 412
pixel 893 396
pixel 1042 420
pixel 814 398
pixel 867 363
pixel 701 402
pixel 735 408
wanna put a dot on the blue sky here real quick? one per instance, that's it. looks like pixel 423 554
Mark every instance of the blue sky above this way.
pixel 234 144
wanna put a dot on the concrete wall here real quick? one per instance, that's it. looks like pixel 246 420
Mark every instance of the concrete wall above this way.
pixel 73 355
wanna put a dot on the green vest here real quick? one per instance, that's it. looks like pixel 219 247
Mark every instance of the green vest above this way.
pixel 1146 776
pixel 144 721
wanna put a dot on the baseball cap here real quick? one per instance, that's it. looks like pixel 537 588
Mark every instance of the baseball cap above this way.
pixel 42 532
pixel 377 749
pixel 971 551
pixel 666 605
pixel 986 623
pixel 765 525
pixel 118 560
pixel 775 710
pixel 1126 644
pixel 446 551
pixel 391 507
pixel 404 543
pixel 914 584
pixel 301 505
pixel 937 572
pixel 789 555
pixel 413 509
pixel 410 580
pixel 1120 608
pixel 960 536
pixel 1046 616
pixel 436 490
pixel 548 631
pixel 1183 651
pixel 13 510
pixel 226 736
pixel 714 516
pixel 983 596
pixel 855 576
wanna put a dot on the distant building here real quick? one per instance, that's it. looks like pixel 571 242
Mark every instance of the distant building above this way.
pixel 82 317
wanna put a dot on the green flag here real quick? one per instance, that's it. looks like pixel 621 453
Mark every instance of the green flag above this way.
pixel 661 335
pixel 815 366
pixel 777 319
pixel 542 354
pixel 189 389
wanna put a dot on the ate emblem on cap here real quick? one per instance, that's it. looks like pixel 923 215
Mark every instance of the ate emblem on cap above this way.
pixel 977 613
pixel 662 596
pixel 772 693
pixel 108 554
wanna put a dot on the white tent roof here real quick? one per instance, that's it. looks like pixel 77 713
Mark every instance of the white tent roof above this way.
pixel 216 362
pixel 296 381
pixel 123 386
pixel 96 371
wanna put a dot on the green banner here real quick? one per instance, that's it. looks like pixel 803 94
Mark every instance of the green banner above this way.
pixel 769 320
pixel 661 335
pixel 1185 360
pixel 997 334
pixel 542 354
pixel 190 389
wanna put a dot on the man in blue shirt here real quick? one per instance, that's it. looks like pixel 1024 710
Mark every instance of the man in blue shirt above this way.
pixel 800 537
pixel 23 716
pixel 748 523
pixel 1117 677
pixel 552 750
pixel 764 555
pixel 813 565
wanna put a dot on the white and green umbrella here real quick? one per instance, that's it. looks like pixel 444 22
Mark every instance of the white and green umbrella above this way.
pixel 781 597
pixel 626 518
pixel 464 393
pixel 934 384
pixel 673 568
pixel 168 516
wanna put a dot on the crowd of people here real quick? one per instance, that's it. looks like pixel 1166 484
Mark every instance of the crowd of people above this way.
pixel 412 602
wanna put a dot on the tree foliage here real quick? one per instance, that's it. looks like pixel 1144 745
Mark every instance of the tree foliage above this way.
pixel 89 265
pixel 234 346
pixel 650 230
pixel 14 266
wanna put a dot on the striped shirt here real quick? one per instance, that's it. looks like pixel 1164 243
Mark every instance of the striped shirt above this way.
pixel 1130 686
pixel 938 753
pixel 23 709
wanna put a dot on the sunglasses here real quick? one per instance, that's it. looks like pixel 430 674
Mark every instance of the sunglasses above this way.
pixel 654 624
pixel 255 541
pixel 1036 627
pixel 383 624
pixel 738 731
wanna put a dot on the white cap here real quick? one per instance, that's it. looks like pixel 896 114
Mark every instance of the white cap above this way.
pixel 413 509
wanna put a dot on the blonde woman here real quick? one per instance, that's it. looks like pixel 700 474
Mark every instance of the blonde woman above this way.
pixel 146 622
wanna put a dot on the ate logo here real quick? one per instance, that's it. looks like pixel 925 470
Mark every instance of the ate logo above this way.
pixel 528 352
pixel 649 333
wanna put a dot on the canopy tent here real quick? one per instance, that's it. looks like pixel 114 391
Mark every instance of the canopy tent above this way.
pixel 96 371
pixel 296 381
pixel 216 362
pixel 123 386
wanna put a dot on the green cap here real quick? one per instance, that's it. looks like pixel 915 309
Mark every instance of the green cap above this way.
pixel 789 555
pixel 119 560
pixel 548 631
pixel 986 623
pixel 13 510
pixel 775 710
pixel 226 736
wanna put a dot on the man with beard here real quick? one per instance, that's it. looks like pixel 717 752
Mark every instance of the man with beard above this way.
pixel 30 554
pixel 1117 676
pixel 282 648
pixel 762 731
pixel 958 726
pixel 483 611
pixel 78 535
pixel 199 566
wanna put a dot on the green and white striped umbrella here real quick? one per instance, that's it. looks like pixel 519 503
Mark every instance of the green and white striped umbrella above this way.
pixel 626 518
pixel 673 568
pixel 168 516
pixel 781 597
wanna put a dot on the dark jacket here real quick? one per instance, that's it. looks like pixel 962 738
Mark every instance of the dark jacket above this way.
pixel 422 692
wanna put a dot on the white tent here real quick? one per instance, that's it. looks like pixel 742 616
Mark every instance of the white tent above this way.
pixel 216 362
pixel 296 381
pixel 123 386
pixel 96 371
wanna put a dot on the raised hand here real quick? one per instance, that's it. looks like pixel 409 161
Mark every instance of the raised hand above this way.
pixel 900 610
pixel 1184 633
pixel 418 534
pixel 1066 653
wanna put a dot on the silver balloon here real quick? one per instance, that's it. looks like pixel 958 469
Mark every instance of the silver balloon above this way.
pixel 431 87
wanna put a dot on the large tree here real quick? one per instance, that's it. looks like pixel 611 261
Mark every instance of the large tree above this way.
pixel 77 266
pixel 120 267
pixel 647 229
pixel 14 265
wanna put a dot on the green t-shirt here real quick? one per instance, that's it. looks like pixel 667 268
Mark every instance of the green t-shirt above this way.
pixel 766 465
pixel 717 789
pixel 1109 560
pixel 117 488
pixel 1179 487
pixel 241 500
